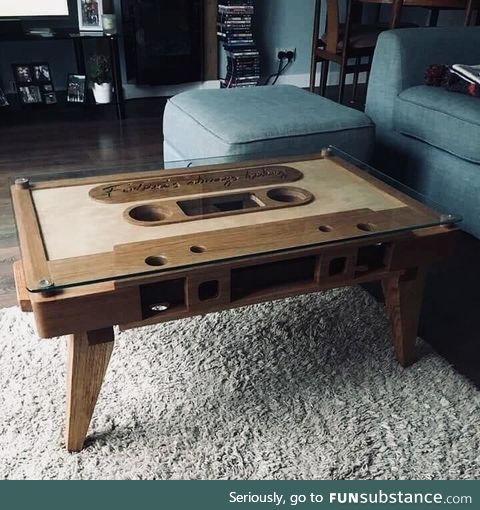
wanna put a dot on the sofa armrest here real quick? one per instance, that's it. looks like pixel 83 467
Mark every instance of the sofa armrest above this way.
pixel 402 56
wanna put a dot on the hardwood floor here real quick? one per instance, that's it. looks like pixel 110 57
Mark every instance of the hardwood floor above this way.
pixel 49 146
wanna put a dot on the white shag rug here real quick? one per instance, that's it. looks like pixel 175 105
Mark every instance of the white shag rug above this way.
pixel 305 388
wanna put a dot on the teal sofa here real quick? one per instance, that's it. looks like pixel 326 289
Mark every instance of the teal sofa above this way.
pixel 427 137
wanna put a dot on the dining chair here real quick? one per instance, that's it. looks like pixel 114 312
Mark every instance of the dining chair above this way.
pixel 351 44
pixel 342 43
pixel 472 13
pixel 471 8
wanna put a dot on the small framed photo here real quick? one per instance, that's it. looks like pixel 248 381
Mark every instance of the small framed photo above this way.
pixel 90 15
pixel 23 73
pixel 50 98
pixel 41 73
pixel 30 94
pixel 3 99
pixel 34 83
pixel 76 88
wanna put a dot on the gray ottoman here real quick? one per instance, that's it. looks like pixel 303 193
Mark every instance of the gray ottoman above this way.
pixel 261 120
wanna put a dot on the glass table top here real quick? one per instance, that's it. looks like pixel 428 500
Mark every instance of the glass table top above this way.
pixel 109 224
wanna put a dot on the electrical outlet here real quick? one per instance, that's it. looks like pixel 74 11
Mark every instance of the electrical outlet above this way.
pixel 284 51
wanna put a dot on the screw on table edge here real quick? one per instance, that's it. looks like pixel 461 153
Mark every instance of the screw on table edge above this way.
pixel 447 220
pixel 22 182
pixel 45 283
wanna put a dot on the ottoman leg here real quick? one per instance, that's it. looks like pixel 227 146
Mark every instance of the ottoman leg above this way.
pixel 403 298
pixel 88 357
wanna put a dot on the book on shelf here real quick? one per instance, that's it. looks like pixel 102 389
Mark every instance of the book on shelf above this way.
pixel 235 32
pixel 239 33
pixel 243 67
pixel 237 25
pixel 235 10
pixel 224 4
pixel 235 53
pixel 232 50
pixel 236 2
pixel 242 79
pixel 234 18
pixel 243 63
pixel 238 42
pixel 229 21
pixel 243 59
pixel 227 85
pixel 247 73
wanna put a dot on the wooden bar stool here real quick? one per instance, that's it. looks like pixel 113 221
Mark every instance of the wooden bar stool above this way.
pixel 434 6
pixel 340 43
pixel 344 42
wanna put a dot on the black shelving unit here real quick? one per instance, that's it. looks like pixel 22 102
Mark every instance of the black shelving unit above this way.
pixel 78 40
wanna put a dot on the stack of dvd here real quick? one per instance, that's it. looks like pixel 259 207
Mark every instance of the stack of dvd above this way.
pixel 235 31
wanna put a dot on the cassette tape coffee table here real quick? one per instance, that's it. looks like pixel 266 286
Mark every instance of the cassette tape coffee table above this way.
pixel 138 248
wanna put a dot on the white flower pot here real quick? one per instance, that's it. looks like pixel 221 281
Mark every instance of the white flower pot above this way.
pixel 102 93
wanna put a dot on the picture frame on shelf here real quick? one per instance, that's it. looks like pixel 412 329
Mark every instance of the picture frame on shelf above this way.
pixel 22 73
pixel 30 94
pixel 34 83
pixel 90 14
pixel 41 72
pixel 76 88
pixel 50 98
pixel 3 99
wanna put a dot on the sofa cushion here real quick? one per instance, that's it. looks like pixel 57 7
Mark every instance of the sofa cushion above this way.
pixel 443 119
pixel 208 123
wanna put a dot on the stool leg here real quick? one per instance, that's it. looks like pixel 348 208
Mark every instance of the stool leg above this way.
pixel 313 75
pixel 469 13
pixel 341 83
pixel 433 17
pixel 358 61
pixel 324 77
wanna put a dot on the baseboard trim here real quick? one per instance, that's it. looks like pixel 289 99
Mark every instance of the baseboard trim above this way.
pixel 303 80
pixel 133 91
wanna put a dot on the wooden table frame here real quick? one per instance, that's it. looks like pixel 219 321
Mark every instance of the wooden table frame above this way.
pixel 87 313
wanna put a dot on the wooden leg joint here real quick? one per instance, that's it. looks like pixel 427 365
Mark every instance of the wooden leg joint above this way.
pixel 23 298
pixel 100 336
pixel 410 274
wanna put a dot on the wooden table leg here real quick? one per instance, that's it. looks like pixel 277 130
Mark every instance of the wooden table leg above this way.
pixel 403 298
pixel 88 357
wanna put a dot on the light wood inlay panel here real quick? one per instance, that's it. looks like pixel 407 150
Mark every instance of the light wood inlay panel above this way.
pixel 74 225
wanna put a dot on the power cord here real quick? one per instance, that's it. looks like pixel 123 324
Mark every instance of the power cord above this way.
pixel 281 71
pixel 280 61
pixel 282 55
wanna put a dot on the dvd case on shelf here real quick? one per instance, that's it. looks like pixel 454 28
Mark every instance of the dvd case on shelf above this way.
pixel 234 29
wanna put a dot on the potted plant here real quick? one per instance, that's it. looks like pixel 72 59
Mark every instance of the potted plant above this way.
pixel 101 78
